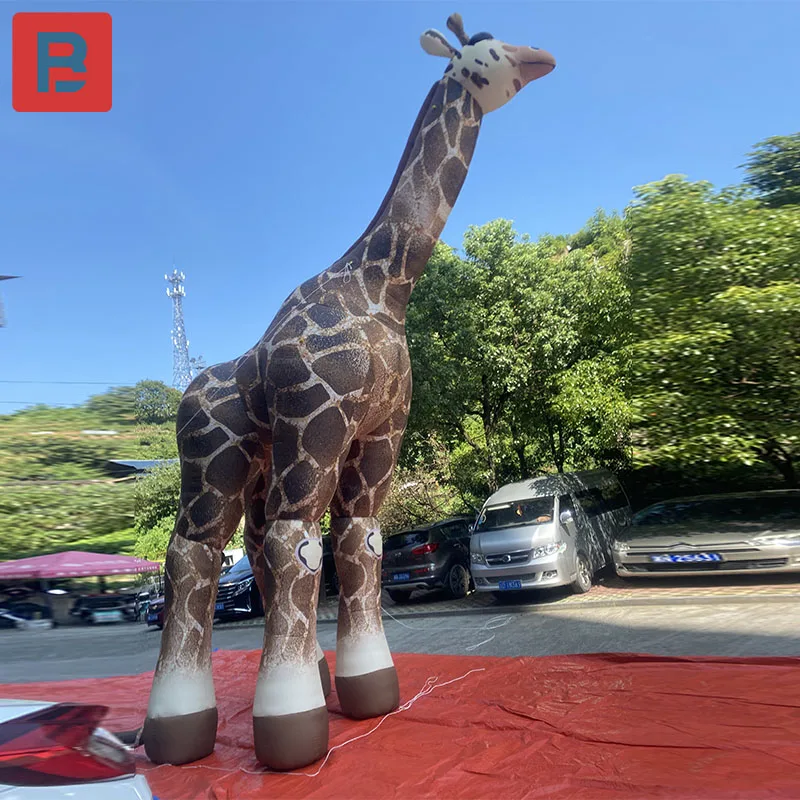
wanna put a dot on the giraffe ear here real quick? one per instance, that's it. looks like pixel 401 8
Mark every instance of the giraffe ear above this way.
pixel 435 44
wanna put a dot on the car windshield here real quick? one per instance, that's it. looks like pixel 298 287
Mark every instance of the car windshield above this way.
pixel 400 540
pixel 241 567
pixel 734 509
pixel 536 511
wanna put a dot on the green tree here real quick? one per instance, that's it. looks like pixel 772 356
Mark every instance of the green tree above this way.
pixel 116 406
pixel 498 338
pixel 156 496
pixel 715 278
pixel 156 402
pixel 773 170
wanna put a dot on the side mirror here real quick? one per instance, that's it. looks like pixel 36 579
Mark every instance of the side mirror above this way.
pixel 565 517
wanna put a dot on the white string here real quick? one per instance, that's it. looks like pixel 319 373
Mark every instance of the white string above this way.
pixel 491 624
pixel 430 684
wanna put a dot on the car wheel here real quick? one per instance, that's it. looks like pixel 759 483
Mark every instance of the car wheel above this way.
pixel 583 579
pixel 398 596
pixel 458 581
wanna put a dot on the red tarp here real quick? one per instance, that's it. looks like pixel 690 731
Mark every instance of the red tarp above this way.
pixel 74 564
pixel 585 727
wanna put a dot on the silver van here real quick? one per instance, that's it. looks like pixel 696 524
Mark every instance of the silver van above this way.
pixel 551 531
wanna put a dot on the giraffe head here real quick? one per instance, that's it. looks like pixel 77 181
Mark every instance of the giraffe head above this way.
pixel 491 71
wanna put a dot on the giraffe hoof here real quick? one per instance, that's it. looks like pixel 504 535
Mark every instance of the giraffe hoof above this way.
pixel 291 741
pixel 325 676
pixel 371 695
pixel 179 740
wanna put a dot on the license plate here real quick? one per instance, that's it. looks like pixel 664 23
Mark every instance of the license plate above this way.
pixel 401 576
pixel 107 616
pixel 504 586
pixel 219 607
pixel 152 618
pixel 684 558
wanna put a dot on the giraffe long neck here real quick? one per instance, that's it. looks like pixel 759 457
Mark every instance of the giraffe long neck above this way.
pixel 390 256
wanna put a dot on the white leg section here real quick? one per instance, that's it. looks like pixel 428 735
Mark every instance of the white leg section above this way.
pixel 362 654
pixel 288 689
pixel 176 692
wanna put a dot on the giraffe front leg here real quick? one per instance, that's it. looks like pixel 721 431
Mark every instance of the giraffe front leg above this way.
pixel 366 679
pixel 290 719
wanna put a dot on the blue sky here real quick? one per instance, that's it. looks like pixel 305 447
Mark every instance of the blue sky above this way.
pixel 253 141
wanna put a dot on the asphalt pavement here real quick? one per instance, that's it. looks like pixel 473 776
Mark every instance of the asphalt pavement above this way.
pixel 723 626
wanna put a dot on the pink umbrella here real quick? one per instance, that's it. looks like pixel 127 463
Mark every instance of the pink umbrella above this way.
pixel 74 564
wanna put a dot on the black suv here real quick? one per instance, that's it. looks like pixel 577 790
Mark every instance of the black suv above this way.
pixel 428 557
pixel 238 595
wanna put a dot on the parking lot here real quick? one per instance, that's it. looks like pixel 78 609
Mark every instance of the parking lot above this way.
pixel 725 617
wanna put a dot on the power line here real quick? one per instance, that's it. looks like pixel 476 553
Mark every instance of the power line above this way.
pixel 76 383
pixel 36 403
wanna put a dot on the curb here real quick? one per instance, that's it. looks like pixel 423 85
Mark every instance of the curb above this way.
pixel 535 608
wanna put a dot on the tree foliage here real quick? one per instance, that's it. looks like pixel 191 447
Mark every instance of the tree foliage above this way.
pixel 773 170
pixel 715 279
pixel 500 336
pixel 155 402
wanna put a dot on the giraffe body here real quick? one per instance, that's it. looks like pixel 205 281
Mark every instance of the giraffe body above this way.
pixel 311 418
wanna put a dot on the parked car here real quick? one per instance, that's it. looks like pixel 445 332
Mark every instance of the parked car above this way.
pixel 26 610
pixel 10 620
pixel 238 595
pixel 551 531
pixel 155 612
pixel 722 533
pixel 57 750
pixel 98 608
pixel 431 556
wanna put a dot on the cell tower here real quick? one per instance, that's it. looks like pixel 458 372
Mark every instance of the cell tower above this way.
pixel 2 314
pixel 181 365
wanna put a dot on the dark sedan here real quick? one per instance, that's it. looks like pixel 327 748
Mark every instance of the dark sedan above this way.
pixel 726 533
pixel 434 556
pixel 238 595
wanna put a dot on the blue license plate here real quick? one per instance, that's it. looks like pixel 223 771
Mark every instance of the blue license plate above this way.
pixel 401 576
pixel 152 618
pixel 219 607
pixel 505 586
pixel 685 558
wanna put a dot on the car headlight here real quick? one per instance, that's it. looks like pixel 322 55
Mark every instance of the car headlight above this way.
pixel 549 549
pixel 780 539
pixel 243 585
pixel 477 558
pixel 620 547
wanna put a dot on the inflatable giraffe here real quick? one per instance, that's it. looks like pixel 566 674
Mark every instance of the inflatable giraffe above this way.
pixel 311 418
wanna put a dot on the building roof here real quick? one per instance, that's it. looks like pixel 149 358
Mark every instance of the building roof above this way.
pixel 143 465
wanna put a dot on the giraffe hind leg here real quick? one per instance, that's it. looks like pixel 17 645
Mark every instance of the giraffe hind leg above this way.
pixel 182 716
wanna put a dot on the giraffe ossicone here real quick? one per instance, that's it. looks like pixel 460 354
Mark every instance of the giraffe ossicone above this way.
pixel 309 419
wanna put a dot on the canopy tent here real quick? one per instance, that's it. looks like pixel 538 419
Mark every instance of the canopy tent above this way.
pixel 74 564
